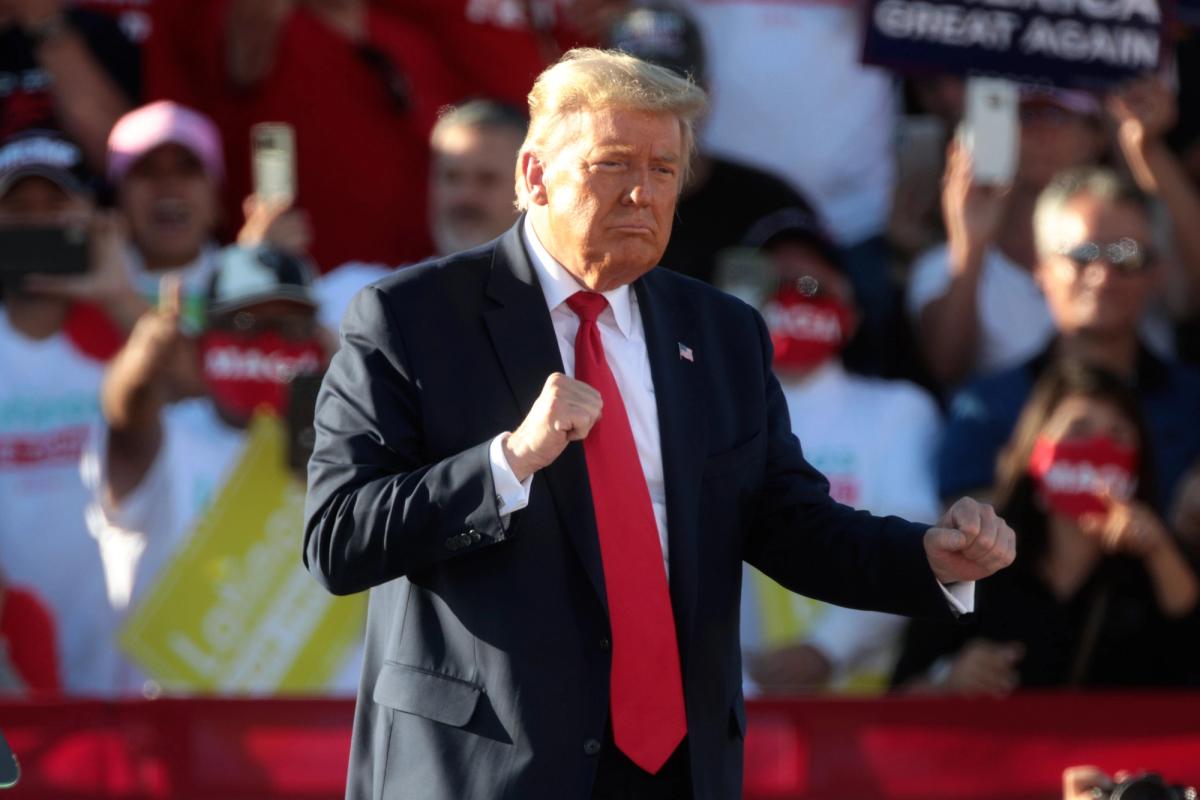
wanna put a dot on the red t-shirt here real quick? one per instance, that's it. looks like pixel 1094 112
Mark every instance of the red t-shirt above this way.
pixel 28 627
pixel 490 43
pixel 362 152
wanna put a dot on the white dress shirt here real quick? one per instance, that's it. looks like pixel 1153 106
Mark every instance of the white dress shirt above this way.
pixel 624 342
pixel 625 351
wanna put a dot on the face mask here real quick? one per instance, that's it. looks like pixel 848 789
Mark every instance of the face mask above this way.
pixel 1072 476
pixel 245 373
pixel 806 331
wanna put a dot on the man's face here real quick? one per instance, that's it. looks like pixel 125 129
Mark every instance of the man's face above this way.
pixel 40 201
pixel 1096 297
pixel 604 202
pixel 471 190
pixel 171 205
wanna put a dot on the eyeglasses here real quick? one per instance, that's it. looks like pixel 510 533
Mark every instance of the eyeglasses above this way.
pixel 1128 256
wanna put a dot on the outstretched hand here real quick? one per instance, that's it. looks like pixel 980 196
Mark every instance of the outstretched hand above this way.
pixel 970 542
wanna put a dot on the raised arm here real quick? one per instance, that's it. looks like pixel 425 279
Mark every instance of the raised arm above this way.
pixel 948 326
pixel 137 385
pixel 1145 113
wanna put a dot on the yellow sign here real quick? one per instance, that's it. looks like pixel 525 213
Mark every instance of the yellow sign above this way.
pixel 234 610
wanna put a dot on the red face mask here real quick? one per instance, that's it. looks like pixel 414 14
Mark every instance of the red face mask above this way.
pixel 245 373
pixel 1072 476
pixel 806 331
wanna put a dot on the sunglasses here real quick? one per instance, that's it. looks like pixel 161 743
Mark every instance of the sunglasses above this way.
pixel 1127 256
pixel 244 323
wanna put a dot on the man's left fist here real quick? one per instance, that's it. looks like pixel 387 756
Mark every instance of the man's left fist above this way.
pixel 970 542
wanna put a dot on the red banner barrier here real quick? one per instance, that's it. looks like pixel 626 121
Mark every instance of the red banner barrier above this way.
pixel 816 749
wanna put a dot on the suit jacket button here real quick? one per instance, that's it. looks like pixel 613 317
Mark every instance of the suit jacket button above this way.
pixel 476 537
pixel 605 643
pixel 591 747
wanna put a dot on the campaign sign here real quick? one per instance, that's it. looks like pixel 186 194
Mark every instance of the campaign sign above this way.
pixel 235 611
pixel 1088 44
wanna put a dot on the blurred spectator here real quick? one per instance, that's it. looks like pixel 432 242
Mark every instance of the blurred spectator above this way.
pixel 524 37
pixel 974 300
pixel 1145 113
pixel 360 86
pixel 1100 594
pixel 162 458
pixel 49 404
pixel 873 439
pixel 166 165
pixel 64 68
pixel 790 94
pixel 470 187
pixel 28 652
pixel 722 198
pixel 915 222
pixel 471 196
pixel 1097 272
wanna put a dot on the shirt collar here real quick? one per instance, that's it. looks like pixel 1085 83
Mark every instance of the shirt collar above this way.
pixel 558 284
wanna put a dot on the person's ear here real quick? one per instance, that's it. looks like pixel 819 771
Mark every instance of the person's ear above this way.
pixel 533 173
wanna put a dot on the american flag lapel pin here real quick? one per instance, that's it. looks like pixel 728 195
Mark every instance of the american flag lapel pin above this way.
pixel 685 353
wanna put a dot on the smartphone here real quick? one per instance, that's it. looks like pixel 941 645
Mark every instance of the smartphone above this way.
pixel 273 152
pixel 990 130
pixel 302 408
pixel 10 770
pixel 747 274
pixel 58 249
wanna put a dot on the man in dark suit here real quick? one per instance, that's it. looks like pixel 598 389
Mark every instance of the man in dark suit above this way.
pixel 547 461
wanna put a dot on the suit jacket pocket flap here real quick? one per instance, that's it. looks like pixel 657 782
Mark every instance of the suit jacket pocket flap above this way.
pixel 426 694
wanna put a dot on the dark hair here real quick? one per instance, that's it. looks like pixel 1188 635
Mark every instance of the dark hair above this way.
pixel 481 113
pixel 1014 496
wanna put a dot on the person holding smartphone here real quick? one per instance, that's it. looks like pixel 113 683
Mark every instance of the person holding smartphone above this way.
pixel 49 395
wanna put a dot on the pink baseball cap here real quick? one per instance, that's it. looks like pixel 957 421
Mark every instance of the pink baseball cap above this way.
pixel 159 123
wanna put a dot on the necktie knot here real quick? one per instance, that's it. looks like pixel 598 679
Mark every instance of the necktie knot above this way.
pixel 587 305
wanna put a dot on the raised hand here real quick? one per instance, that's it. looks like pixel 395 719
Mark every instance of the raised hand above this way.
pixel 1128 527
pixel 972 212
pixel 970 542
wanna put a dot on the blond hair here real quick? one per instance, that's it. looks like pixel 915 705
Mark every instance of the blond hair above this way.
pixel 1100 183
pixel 587 78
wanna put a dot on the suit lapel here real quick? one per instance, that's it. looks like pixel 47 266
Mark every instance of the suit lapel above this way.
pixel 527 348
pixel 669 322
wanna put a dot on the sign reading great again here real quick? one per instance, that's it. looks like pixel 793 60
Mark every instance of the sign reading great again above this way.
pixel 1089 44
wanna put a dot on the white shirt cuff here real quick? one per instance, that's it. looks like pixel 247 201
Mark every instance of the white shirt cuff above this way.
pixel 511 494
pixel 960 596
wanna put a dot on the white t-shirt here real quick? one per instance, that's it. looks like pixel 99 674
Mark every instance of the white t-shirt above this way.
pixel 49 407
pixel 1014 321
pixel 790 96
pixel 139 536
pixel 875 441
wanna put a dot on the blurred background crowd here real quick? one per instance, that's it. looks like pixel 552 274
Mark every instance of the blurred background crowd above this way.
pixel 1037 345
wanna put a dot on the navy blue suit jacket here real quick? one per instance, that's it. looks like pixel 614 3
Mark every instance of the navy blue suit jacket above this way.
pixel 487 655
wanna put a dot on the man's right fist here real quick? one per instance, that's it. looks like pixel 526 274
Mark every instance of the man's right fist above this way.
pixel 564 412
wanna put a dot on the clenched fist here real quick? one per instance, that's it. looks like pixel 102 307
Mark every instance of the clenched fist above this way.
pixel 970 542
pixel 564 412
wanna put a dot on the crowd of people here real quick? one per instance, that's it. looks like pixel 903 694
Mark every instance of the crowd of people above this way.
pixel 1034 345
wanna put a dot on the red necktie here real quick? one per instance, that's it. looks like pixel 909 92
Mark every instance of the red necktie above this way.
pixel 648 717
